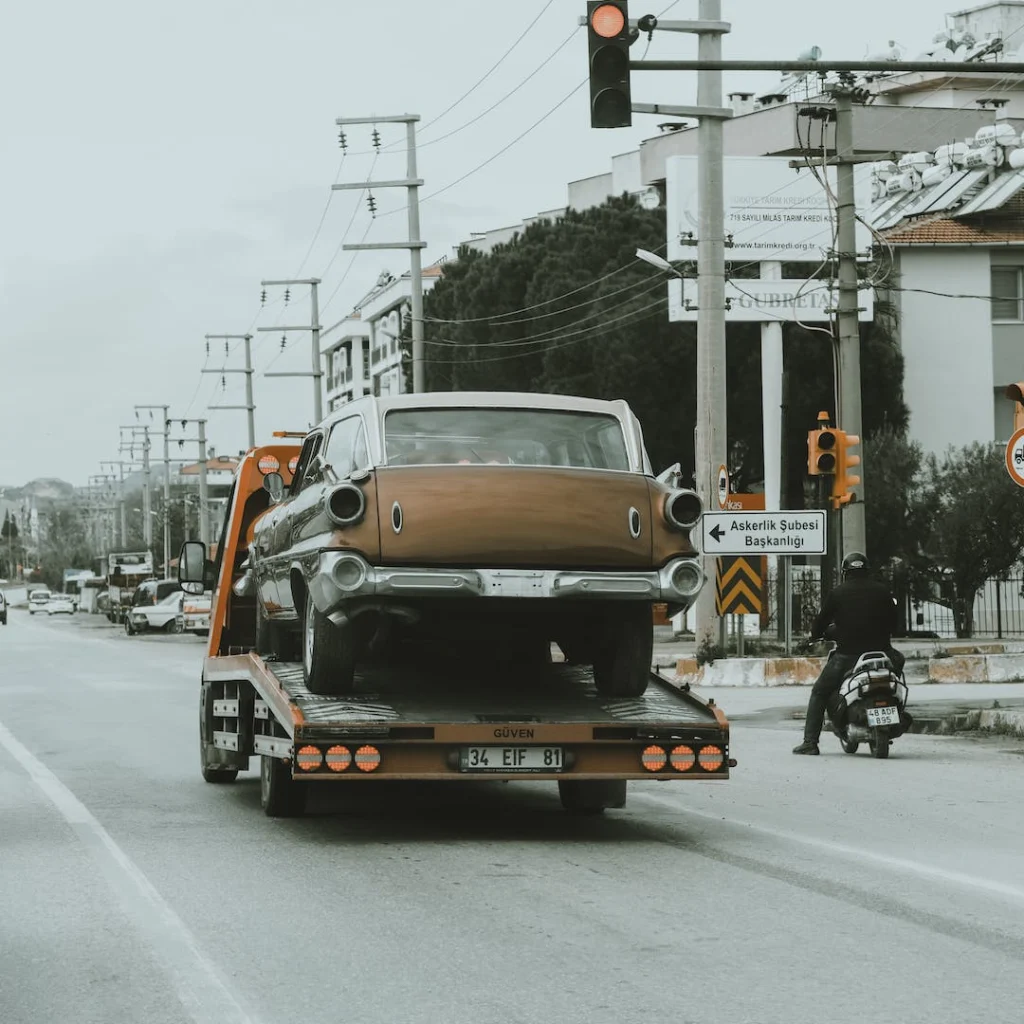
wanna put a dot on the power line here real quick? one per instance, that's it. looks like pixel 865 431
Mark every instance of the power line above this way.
pixel 323 217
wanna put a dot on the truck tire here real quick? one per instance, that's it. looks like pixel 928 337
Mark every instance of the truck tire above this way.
pixel 624 650
pixel 212 772
pixel 591 796
pixel 280 795
pixel 328 654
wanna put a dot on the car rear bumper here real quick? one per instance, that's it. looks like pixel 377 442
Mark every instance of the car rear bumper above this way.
pixel 342 575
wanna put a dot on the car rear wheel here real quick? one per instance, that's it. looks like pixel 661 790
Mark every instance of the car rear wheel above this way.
pixel 328 653
pixel 623 651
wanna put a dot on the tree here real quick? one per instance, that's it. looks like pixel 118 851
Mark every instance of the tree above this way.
pixel 977 532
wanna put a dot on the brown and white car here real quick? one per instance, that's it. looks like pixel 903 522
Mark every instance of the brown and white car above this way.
pixel 490 524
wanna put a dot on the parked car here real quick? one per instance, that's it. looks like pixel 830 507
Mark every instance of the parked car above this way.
pixel 60 604
pixel 163 615
pixel 3 609
pixel 195 614
pixel 494 522
pixel 38 600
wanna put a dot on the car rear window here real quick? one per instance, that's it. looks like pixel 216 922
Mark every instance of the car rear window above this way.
pixel 519 437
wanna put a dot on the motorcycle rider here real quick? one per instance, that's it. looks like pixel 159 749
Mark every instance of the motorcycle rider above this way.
pixel 863 615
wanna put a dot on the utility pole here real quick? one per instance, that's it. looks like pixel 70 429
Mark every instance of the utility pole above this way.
pixel 120 499
pixel 314 327
pixel 848 415
pixel 249 407
pixel 712 450
pixel 166 517
pixel 147 497
pixel 414 243
pixel 204 503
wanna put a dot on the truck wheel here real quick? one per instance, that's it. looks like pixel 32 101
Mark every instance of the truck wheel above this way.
pixel 280 795
pixel 216 775
pixel 328 654
pixel 624 651
pixel 591 796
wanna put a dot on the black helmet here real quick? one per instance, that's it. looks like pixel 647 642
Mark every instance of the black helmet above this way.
pixel 855 561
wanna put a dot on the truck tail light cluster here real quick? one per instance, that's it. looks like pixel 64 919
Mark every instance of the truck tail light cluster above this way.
pixel 337 759
pixel 682 758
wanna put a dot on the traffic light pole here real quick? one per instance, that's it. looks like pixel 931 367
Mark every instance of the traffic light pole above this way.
pixel 849 414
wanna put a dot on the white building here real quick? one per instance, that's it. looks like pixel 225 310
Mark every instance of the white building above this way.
pixel 366 356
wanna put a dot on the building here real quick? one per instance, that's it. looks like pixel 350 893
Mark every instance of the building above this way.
pixel 366 356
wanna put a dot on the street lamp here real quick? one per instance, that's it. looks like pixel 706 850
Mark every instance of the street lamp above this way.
pixel 658 262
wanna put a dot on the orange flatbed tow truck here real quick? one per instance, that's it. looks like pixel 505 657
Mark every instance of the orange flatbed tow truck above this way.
pixel 416 722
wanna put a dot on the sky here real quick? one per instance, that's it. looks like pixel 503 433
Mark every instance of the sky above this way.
pixel 159 160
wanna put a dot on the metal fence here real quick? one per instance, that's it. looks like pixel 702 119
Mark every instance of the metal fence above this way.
pixel 998 608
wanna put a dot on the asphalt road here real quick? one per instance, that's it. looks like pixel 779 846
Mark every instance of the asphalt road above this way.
pixel 832 889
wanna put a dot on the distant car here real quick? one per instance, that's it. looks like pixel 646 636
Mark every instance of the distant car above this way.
pixel 38 600
pixel 195 614
pixel 164 615
pixel 103 602
pixel 60 604
pixel 3 609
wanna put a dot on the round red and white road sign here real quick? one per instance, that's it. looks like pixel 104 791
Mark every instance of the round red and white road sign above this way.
pixel 1015 458
pixel 723 486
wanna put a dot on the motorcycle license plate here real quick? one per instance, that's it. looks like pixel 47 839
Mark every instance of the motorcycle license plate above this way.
pixel 883 716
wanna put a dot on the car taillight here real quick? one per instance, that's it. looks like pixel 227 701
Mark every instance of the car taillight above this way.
pixel 711 758
pixel 683 509
pixel 309 759
pixel 654 758
pixel 338 758
pixel 682 758
pixel 367 759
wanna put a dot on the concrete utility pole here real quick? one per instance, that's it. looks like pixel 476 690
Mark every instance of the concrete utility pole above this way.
pixel 123 538
pixel 166 517
pixel 414 244
pixel 249 407
pixel 712 446
pixel 204 502
pixel 147 497
pixel 316 373
pixel 848 415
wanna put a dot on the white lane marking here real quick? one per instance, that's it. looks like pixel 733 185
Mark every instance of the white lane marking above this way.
pixel 898 863
pixel 202 992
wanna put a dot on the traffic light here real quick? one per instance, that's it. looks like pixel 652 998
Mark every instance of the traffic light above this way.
pixel 609 38
pixel 821 448
pixel 845 481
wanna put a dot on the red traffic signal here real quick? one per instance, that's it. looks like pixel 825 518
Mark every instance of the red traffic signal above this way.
pixel 608 40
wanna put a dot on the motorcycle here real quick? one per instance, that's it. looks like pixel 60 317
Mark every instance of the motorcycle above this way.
pixel 871 705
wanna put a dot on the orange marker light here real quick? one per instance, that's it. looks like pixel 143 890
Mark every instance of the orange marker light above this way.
pixel 309 758
pixel 683 758
pixel 367 759
pixel 293 464
pixel 654 759
pixel 268 464
pixel 711 758
pixel 608 21
pixel 339 758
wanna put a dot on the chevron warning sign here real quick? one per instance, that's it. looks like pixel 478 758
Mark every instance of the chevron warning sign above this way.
pixel 738 586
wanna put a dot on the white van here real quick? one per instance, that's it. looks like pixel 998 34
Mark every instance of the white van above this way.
pixel 38 600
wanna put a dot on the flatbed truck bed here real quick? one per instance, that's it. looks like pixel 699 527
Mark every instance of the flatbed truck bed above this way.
pixel 453 723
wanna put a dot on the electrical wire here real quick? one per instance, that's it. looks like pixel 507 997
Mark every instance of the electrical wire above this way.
pixel 323 216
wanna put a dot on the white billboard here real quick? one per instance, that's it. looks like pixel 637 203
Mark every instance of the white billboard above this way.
pixel 762 301
pixel 772 212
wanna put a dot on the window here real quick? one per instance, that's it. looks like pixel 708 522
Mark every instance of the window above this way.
pixel 304 473
pixel 346 449
pixel 522 437
pixel 1007 293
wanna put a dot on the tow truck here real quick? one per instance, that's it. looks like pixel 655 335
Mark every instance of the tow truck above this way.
pixel 413 721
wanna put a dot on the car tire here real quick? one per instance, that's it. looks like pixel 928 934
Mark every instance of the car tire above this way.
pixel 328 654
pixel 624 651
pixel 129 629
pixel 172 627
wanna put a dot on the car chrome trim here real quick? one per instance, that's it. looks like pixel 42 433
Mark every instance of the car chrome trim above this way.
pixel 397 518
pixel 635 524
pixel 655 585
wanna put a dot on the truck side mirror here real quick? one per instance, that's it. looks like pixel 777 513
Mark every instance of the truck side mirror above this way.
pixel 192 565
pixel 273 484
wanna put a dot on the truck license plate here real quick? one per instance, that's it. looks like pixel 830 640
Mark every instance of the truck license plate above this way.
pixel 883 716
pixel 511 759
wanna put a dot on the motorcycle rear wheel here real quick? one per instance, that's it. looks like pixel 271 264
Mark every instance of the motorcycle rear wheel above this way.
pixel 880 743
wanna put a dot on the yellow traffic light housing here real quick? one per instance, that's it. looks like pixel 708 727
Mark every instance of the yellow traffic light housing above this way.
pixel 845 481
pixel 821 448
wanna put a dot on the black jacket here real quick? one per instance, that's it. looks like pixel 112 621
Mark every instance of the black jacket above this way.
pixel 863 613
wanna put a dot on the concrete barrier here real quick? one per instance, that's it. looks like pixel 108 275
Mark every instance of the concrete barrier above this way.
pixel 963 668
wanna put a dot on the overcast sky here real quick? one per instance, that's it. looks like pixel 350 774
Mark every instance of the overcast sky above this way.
pixel 160 159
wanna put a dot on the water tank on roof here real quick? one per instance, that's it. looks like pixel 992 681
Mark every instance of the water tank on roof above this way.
pixel 984 156
pixel 953 153
pixel 884 169
pixel 908 182
pixel 933 175
pixel 916 161
pixel 1015 158
pixel 997 134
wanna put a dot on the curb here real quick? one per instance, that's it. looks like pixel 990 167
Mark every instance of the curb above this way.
pixel 963 668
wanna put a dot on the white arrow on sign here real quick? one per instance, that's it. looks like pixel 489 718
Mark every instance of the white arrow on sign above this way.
pixel 764 533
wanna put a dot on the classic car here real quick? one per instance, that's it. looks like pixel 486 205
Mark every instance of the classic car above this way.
pixel 163 615
pixel 475 524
